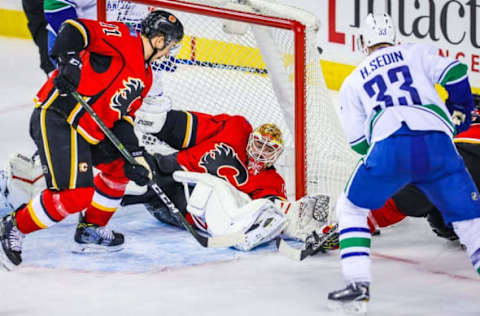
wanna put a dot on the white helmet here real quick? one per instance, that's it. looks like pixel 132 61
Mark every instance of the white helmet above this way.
pixel 377 29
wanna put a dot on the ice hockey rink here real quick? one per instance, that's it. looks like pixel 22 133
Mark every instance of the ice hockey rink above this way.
pixel 163 271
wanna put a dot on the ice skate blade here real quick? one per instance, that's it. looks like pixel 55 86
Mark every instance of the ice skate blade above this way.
pixel 91 249
pixel 348 308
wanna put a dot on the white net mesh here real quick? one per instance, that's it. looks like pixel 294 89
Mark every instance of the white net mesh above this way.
pixel 238 68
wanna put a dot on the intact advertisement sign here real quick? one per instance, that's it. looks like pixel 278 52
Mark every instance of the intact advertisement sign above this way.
pixel 453 26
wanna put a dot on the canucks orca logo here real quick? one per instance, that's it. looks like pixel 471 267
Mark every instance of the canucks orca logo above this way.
pixel 223 162
pixel 123 99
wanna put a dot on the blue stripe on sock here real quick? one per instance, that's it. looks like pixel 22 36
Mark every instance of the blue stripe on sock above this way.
pixel 475 257
pixel 352 254
pixel 355 229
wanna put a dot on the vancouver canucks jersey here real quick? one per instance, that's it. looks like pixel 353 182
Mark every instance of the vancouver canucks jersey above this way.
pixel 394 85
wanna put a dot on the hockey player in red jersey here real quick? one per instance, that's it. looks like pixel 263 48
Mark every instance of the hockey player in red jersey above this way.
pixel 225 146
pixel 213 148
pixel 109 67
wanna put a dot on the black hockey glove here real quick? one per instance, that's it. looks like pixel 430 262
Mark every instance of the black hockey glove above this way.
pixel 69 69
pixel 140 173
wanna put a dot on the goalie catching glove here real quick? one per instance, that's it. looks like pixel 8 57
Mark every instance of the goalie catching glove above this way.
pixel 308 214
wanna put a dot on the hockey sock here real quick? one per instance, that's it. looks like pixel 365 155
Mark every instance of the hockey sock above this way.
pixel 469 233
pixel 106 199
pixel 387 215
pixel 50 207
pixel 355 237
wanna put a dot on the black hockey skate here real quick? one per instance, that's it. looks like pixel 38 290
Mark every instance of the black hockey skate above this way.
pixel 12 240
pixel 91 238
pixel 353 299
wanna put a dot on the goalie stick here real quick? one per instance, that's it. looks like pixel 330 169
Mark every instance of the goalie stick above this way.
pixel 313 244
pixel 227 240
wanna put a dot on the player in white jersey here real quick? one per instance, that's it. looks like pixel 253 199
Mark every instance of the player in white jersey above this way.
pixel 58 11
pixel 393 115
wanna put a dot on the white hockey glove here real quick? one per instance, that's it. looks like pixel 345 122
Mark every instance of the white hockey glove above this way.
pixel 305 216
pixel 224 209
pixel 151 116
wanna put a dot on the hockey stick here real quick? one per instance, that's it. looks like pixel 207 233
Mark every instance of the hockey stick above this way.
pixel 220 241
pixel 313 244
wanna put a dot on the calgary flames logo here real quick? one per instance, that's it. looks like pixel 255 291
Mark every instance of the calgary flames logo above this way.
pixel 123 99
pixel 223 162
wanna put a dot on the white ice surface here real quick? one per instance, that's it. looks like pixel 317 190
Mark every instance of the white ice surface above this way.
pixel 163 271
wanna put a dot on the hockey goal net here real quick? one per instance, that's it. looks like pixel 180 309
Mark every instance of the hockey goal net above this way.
pixel 256 58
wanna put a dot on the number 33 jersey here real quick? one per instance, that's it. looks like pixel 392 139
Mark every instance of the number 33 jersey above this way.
pixel 393 85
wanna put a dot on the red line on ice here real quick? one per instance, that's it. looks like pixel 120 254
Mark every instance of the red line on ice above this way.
pixel 423 267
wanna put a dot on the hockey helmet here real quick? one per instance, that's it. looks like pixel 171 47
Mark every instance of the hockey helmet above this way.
pixel 377 29
pixel 164 23
pixel 265 145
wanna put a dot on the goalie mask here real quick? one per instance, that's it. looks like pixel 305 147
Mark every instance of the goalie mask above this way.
pixel 377 29
pixel 265 145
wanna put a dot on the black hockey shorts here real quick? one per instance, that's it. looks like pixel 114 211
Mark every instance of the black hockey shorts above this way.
pixel 65 156
pixel 471 156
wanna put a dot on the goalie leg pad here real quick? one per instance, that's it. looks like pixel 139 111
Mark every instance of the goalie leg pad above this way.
pixel 268 225
pixel 223 212
pixel 227 210
pixel 25 179
pixel 214 199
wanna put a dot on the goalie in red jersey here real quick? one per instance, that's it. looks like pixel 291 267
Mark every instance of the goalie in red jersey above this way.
pixel 109 66
pixel 223 177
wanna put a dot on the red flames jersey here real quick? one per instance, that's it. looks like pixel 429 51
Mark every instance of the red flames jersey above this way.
pixel 218 145
pixel 114 78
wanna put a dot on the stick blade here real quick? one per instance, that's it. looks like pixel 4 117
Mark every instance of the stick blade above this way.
pixel 288 251
pixel 226 241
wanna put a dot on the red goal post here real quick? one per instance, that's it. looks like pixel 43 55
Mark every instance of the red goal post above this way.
pixel 306 150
